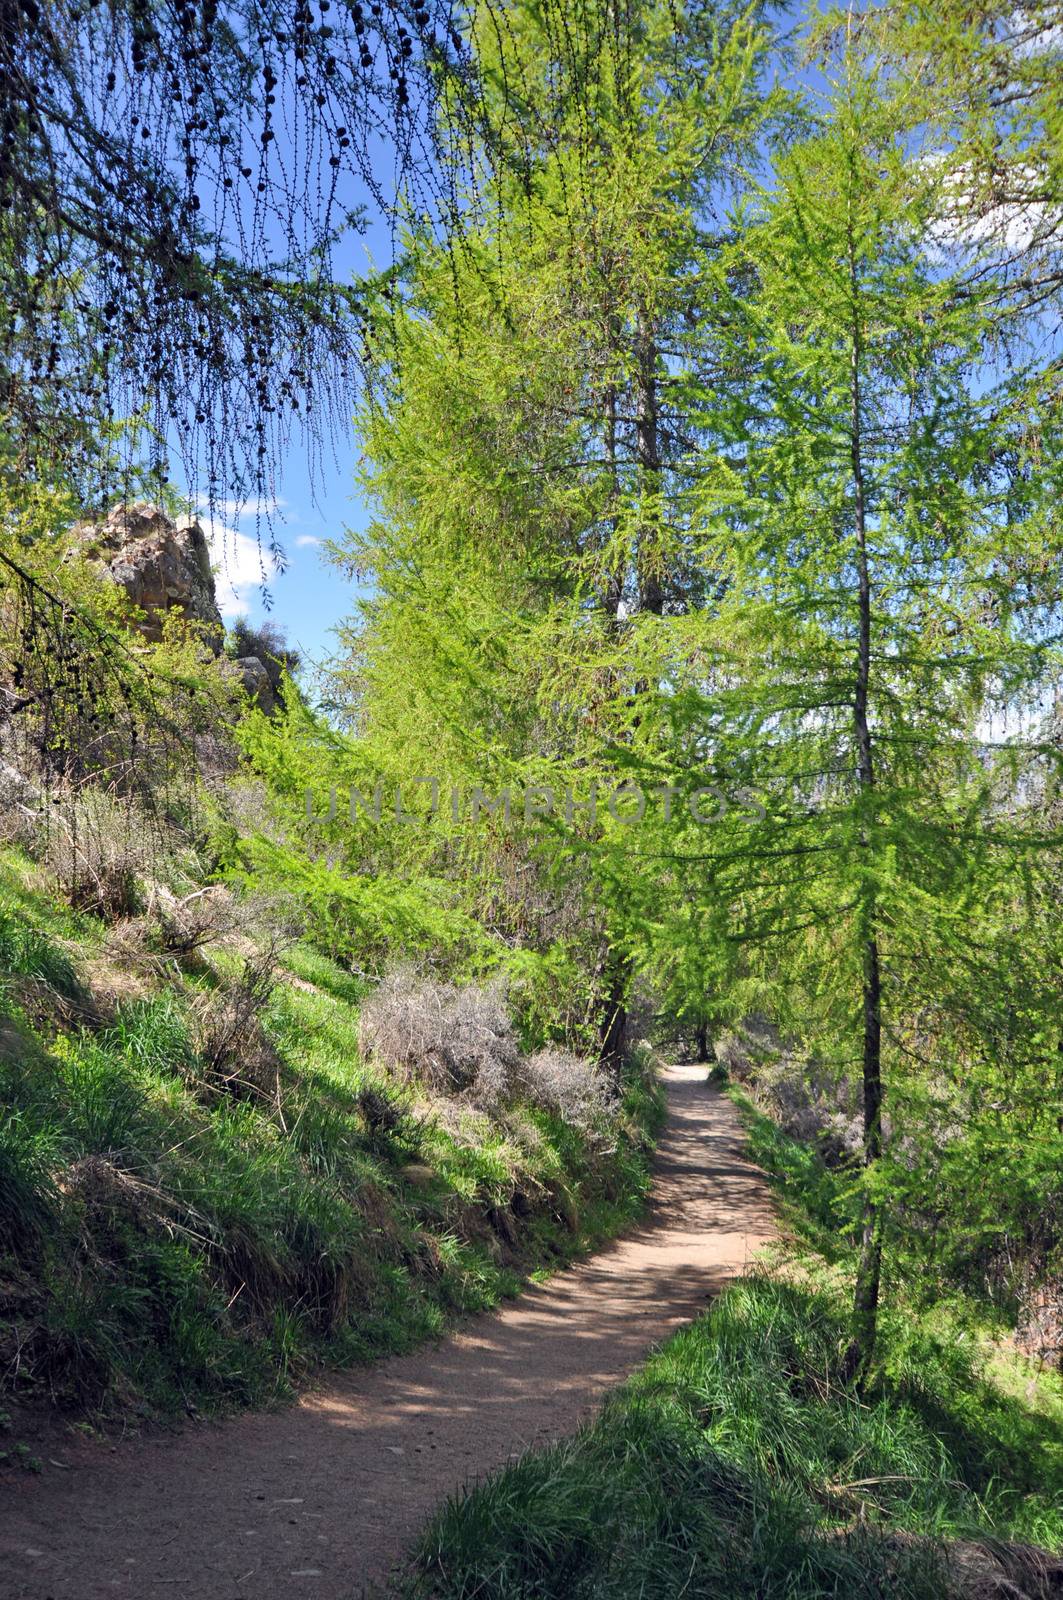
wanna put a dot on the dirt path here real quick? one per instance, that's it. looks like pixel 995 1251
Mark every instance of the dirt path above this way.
pixel 322 1498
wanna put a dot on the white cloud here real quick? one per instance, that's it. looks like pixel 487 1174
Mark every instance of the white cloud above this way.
pixel 243 510
pixel 1038 41
pixel 240 566
pixel 971 218
pixel 306 540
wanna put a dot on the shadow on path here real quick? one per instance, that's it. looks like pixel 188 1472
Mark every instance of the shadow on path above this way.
pixel 322 1498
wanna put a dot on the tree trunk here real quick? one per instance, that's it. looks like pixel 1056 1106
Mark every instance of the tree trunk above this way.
pixel 861 1349
pixel 612 1035
pixel 612 1029
pixel 613 591
pixel 648 455
pixel 619 968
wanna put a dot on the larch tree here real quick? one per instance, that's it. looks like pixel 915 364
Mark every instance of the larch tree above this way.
pixel 527 438
pixel 885 556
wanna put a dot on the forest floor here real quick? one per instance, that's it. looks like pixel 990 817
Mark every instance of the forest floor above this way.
pixel 323 1499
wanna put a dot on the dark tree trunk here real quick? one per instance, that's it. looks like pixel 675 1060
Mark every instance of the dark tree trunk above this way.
pixel 701 1041
pixel 613 1029
pixel 861 1349
pixel 648 454
pixel 614 581
pixel 619 968
pixel 869 1272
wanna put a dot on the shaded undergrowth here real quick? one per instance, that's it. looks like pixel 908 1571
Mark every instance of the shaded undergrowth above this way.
pixel 736 1464
pixel 177 1235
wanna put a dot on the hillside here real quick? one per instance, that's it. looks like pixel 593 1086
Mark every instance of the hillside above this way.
pixel 208 1187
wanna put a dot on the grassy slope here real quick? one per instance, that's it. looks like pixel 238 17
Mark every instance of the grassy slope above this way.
pixel 166 1245
pixel 735 1465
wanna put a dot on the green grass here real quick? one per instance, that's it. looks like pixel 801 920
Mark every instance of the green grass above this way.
pixel 165 1244
pixel 735 1465
pixel 313 967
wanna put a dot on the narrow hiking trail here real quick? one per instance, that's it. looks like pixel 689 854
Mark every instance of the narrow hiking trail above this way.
pixel 325 1497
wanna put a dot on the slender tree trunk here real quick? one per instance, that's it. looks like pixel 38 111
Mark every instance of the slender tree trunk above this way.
pixel 612 1031
pixel 614 579
pixel 701 1041
pixel 648 454
pixel 869 1272
pixel 619 968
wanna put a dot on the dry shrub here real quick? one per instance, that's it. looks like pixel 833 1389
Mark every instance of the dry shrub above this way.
pixel 236 1055
pixel 731 1054
pixel 808 1102
pixel 455 1041
pixel 1040 1330
pixel 104 1190
pixel 99 848
pixel 48 1011
pixel 21 803
pixel 569 1085
pixel 810 1105
pixel 245 806
pixel 184 925
pixel 980 1569
pixel 461 1042
pixel 128 963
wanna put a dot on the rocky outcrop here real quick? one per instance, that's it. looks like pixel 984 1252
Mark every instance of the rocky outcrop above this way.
pixel 255 680
pixel 162 565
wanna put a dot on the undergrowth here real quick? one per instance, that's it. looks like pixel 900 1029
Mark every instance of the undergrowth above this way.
pixel 174 1238
pixel 737 1465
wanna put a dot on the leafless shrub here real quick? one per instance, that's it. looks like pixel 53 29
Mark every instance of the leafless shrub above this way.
pixel 731 1054
pixel 182 925
pixel 99 848
pixel 185 924
pixel 20 807
pixel 808 1103
pixel 104 1188
pixel 1040 1329
pixel 236 1055
pixel 461 1042
pixel 568 1084
pixel 456 1041
pixel 244 804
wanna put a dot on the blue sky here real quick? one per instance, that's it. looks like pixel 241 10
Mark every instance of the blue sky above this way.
pixel 314 502
pixel 310 597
